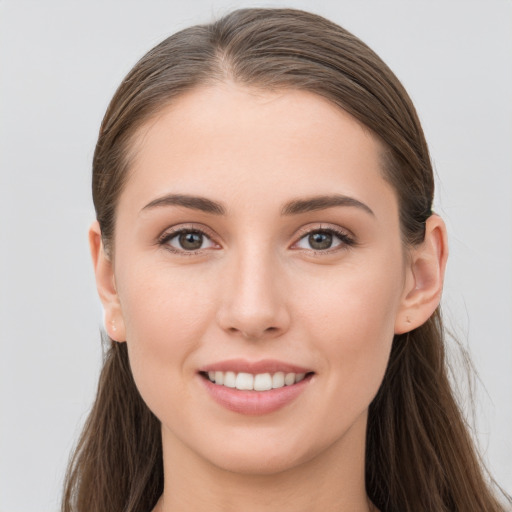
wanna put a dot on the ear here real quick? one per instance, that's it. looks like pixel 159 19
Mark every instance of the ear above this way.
pixel 105 283
pixel 425 277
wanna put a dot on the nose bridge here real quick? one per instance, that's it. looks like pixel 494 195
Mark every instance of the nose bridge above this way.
pixel 253 299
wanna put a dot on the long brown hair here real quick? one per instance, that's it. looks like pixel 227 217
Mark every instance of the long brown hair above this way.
pixel 419 453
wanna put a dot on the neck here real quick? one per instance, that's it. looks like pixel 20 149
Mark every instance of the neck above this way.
pixel 332 480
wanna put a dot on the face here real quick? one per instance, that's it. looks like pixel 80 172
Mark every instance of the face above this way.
pixel 257 246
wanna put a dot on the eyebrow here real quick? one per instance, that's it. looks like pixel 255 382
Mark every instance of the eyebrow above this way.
pixel 321 203
pixel 293 207
pixel 193 202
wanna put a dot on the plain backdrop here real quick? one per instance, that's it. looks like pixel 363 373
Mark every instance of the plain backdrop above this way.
pixel 60 62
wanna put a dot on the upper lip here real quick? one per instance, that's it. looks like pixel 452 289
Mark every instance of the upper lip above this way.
pixel 254 367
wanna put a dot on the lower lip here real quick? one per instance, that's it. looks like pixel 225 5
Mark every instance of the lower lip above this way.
pixel 255 402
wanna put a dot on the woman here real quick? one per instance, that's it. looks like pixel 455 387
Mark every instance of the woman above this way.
pixel 270 269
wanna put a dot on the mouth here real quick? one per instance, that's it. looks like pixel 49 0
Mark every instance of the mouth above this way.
pixel 255 388
pixel 244 381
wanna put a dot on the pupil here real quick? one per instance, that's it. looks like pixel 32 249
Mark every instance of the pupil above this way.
pixel 191 241
pixel 320 240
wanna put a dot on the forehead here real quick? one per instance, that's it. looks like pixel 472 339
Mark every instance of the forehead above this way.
pixel 228 137
pixel 236 110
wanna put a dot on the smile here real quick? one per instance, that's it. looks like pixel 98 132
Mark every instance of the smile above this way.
pixel 259 382
pixel 255 388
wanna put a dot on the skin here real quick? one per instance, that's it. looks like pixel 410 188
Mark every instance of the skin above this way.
pixel 256 289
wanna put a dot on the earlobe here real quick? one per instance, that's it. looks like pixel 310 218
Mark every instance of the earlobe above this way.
pixel 424 283
pixel 105 284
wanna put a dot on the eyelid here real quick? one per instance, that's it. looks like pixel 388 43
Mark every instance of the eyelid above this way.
pixel 347 238
pixel 173 231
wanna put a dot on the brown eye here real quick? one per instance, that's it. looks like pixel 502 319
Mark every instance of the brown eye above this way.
pixel 324 240
pixel 188 241
pixel 191 241
pixel 320 241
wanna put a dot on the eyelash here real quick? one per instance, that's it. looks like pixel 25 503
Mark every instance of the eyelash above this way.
pixel 166 237
pixel 346 240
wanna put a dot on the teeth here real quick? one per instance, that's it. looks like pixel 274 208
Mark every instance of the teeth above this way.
pixel 259 382
pixel 229 379
pixel 244 381
pixel 289 379
pixel 278 380
pixel 262 382
pixel 219 377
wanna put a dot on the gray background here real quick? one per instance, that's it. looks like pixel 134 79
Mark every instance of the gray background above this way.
pixel 60 62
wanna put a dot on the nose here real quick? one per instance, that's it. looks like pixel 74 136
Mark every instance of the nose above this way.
pixel 254 298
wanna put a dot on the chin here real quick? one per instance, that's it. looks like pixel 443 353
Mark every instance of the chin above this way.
pixel 258 463
pixel 263 452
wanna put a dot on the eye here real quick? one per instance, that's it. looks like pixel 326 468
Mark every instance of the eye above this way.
pixel 187 240
pixel 324 240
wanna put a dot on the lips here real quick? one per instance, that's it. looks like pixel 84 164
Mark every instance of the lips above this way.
pixel 254 387
pixel 254 367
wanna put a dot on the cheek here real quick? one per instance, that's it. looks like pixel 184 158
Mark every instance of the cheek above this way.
pixel 165 318
pixel 355 301
pixel 351 322
pixel 160 304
